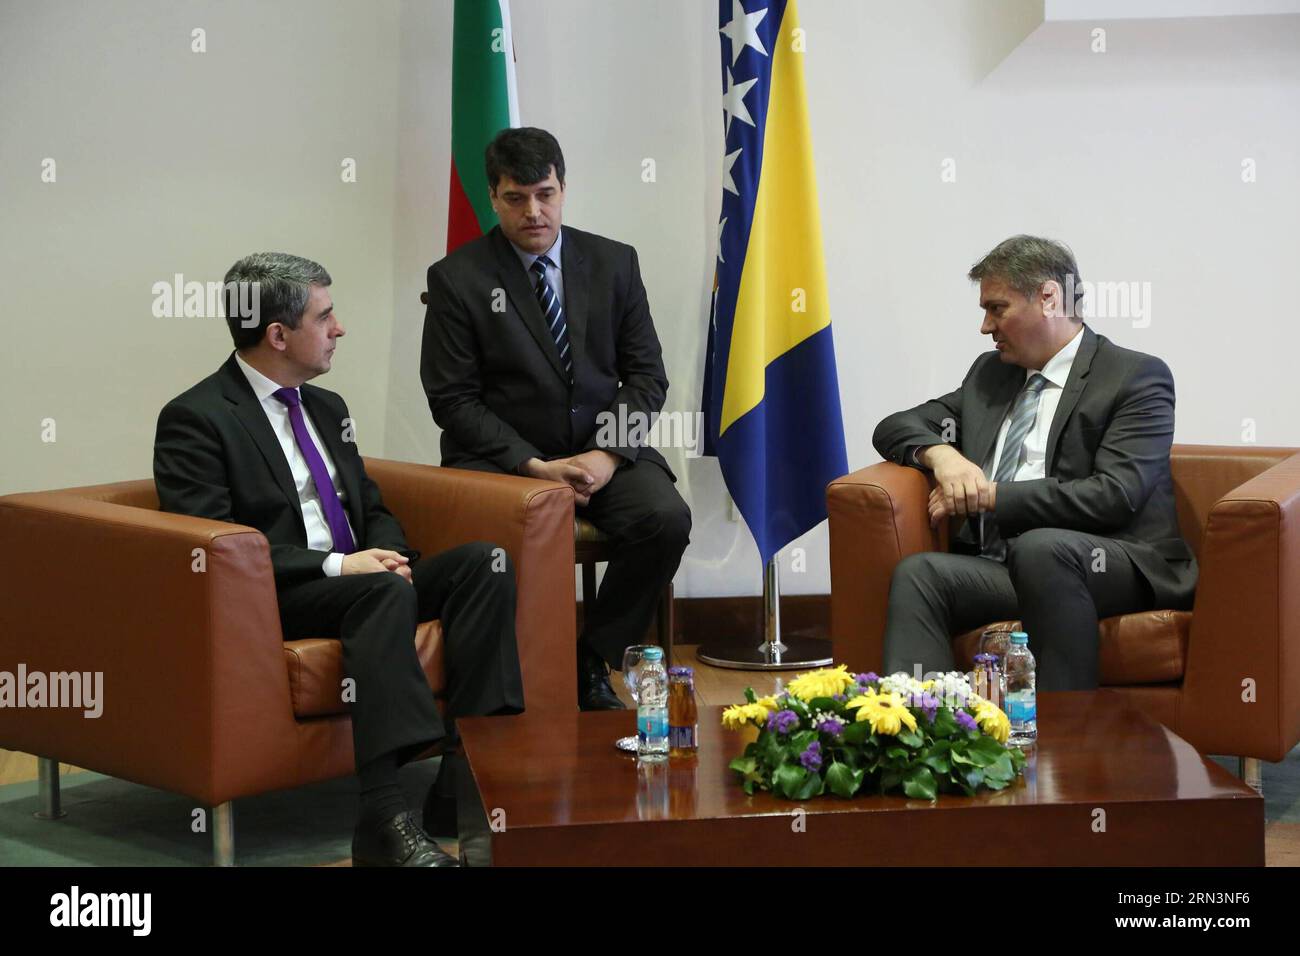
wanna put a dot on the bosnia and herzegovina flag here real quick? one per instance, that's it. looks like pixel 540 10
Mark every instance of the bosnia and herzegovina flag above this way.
pixel 771 395
pixel 483 102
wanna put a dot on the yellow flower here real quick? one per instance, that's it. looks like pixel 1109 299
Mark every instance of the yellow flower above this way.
pixel 736 716
pixel 992 721
pixel 768 702
pixel 826 682
pixel 886 712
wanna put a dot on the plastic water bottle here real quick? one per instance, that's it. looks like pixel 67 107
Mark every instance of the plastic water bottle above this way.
pixel 652 706
pixel 1022 691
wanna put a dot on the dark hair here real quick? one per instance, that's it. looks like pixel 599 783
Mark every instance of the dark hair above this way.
pixel 1026 262
pixel 525 154
pixel 268 287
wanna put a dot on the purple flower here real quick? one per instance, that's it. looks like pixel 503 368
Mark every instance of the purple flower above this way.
pixel 812 757
pixel 927 703
pixel 868 678
pixel 965 720
pixel 782 722
pixel 839 697
pixel 831 725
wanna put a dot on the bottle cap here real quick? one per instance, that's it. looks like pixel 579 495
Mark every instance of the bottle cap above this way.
pixel 653 654
pixel 1019 637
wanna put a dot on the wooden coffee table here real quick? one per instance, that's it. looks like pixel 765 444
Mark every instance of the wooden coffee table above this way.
pixel 1106 786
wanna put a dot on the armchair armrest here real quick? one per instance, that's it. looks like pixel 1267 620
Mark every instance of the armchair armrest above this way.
pixel 878 516
pixel 178 614
pixel 1246 622
pixel 440 508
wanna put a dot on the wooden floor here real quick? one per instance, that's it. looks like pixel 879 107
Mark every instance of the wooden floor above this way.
pixel 719 686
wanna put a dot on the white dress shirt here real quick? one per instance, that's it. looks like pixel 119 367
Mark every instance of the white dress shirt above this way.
pixel 553 274
pixel 1033 459
pixel 319 537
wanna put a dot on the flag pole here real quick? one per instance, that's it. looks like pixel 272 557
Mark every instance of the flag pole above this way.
pixel 773 653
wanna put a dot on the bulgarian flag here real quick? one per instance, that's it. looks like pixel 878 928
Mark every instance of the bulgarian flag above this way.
pixel 483 102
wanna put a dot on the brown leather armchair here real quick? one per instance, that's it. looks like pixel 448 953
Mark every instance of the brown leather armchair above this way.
pixel 202 696
pixel 1238 509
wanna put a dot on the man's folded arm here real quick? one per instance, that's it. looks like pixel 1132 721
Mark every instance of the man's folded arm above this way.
pixel 1132 456
pixel 902 436
pixel 190 476
pixel 449 370
pixel 644 383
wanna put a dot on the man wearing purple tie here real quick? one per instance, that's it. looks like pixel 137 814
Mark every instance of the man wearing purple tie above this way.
pixel 255 445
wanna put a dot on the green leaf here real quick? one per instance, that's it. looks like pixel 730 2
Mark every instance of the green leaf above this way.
pixel 743 764
pixel 889 780
pixel 974 777
pixel 799 742
pixel 910 738
pixel 1001 769
pixel 813 787
pixel 937 762
pixel 897 753
pixel 945 725
pixel 919 784
pixel 749 696
pixel 829 704
pixel 856 734
pixel 789 780
pixel 843 780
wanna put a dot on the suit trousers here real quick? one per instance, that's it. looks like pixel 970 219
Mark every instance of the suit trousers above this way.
pixel 471 590
pixel 650 525
pixel 1058 583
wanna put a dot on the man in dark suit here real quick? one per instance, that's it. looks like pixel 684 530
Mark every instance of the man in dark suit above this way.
pixel 1055 448
pixel 540 358
pixel 253 444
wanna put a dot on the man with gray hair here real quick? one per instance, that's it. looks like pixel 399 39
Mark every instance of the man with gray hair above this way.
pixel 254 444
pixel 1055 451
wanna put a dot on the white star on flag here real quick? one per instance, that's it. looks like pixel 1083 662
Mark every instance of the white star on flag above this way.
pixel 729 184
pixel 720 225
pixel 733 101
pixel 743 30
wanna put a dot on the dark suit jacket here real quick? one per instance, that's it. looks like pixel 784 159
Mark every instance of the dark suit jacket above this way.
pixel 1107 466
pixel 491 369
pixel 216 456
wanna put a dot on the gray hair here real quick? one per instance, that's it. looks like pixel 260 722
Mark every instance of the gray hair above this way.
pixel 282 285
pixel 1026 262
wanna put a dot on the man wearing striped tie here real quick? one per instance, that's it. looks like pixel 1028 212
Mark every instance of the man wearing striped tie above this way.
pixel 1055 451
pixel 538 338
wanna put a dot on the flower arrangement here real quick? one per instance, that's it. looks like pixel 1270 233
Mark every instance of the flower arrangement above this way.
pixel 850 733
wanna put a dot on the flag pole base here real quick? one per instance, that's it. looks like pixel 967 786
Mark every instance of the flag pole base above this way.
pixel 774 654
pixel 801 653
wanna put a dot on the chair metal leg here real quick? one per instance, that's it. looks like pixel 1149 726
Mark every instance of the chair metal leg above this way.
pixel 223 834
pixel 47 769
pixel 664 622
pixel 1251 771
pixel 588 590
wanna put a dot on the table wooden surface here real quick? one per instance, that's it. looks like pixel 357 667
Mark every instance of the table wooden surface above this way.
pixel 1106 785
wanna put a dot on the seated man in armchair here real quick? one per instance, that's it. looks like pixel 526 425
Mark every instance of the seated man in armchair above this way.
pixel 1055 451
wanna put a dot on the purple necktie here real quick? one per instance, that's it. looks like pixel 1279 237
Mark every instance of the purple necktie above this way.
pixel 329 499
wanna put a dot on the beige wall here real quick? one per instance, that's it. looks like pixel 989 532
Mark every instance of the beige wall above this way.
pixel 166 163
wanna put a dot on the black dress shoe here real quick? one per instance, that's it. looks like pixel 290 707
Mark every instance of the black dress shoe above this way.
pixel 594 691
pixel 399 842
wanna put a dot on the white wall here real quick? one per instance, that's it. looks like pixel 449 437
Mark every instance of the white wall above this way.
pixel 173 161
pixel 1133 156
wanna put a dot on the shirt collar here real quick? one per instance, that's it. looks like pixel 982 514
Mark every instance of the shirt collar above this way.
pixel 263 387
pixel 1057 369
pixel 553 253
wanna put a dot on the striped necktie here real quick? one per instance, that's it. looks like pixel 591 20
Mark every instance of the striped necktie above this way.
pixel 554 313
pixel 1022 420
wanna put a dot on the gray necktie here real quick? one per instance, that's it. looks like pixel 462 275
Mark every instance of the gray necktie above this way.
pixel 1023 414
